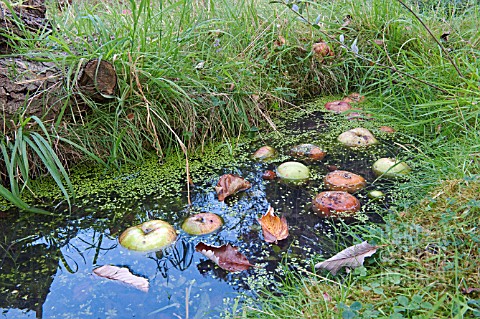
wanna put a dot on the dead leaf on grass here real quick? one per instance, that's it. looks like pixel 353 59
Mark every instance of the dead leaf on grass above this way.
pixel 226 256
pixel 122 274
pixel 444 36
pixel 230 184
pixel 470 290
pixel 351 257
pixel 280 41
pixel 274 228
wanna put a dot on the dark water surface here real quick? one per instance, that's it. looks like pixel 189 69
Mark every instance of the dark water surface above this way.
pixel 46 266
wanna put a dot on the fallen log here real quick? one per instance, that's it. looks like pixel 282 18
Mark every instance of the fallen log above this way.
pixel 29 87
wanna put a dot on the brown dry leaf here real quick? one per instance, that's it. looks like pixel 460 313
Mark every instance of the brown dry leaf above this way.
pixel 346 22
pixel 280 41
pixel 445 35
pixel 274 228
pixel 124 275
pixel 351 257
pixel 230 184
pixel 470 290
pixel 226 256
pixel 322 50
pixel 327 297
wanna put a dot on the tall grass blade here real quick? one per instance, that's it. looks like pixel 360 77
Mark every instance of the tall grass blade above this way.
pixel 53 164
pixel 5 193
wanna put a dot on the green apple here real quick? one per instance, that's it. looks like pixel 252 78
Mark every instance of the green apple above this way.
pixel 150 236
pixel 201 224
pixel 293 172
pixel 390 168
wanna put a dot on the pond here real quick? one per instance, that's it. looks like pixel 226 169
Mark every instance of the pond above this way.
pixel 47 263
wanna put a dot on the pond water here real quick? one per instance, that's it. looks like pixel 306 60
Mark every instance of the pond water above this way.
pixel 47 263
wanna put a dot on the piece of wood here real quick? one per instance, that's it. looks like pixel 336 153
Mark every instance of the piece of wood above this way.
pixel 29 16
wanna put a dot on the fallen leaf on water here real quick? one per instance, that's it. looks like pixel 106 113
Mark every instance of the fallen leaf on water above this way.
pixel 351 257
pixel 226 256
pixel 274 228
pixel 230 184
pixel 124 275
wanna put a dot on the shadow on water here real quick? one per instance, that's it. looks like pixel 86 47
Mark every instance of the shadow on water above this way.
pixel 46 263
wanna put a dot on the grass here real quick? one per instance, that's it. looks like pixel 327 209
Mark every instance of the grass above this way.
pixel 426 267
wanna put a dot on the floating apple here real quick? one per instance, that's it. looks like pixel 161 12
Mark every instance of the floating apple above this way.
pixel 308 151
pixel 359 116
pixel 344 181
pixel 375 194
pixel 387 129
pixel 338 106
pixel 357 137
pixel 269 175
pixel 201 224
pixel 293 172
pixel 335 204
pixel 390 168
pixel 264 153
pixel 150 236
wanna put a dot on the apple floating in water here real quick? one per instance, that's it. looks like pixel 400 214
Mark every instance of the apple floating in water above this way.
pixel 344 181
pixel 357 137
pixel 150 236
pixel 376 194
pixel 335 204
pixel 308 151
pixel 390 168
pixel 338 106
pixel 269 175
pixel 264 153
pixel 293 172
pixel 202 224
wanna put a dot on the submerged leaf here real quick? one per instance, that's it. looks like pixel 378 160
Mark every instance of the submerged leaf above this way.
pixel 352 257
pixel 230 184
pixel 226 256
pixel 124 275
pixel 274 228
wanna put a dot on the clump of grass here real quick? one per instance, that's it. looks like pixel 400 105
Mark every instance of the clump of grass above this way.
pixel 428 267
